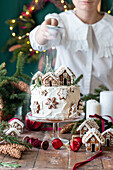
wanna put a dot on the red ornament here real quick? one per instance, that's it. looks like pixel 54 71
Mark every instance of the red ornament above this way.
pixel 32 125
pixel 57 143
pixel 75 143
pixel 78 139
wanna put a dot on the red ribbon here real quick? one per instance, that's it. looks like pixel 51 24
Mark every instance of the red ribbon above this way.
pixel 102 120
pixel 88 160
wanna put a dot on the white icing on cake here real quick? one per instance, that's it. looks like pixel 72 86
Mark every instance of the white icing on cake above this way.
pixel 56 103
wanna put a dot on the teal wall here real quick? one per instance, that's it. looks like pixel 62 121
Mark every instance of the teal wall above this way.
pixel 10 9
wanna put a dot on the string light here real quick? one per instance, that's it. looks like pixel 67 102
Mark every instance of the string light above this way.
pixel 11 28
pixel 13 34
pixel 44 51
pixel 30 49
pixel 20 16
pixel 27 12
pixel 19 37
pixel 28 42
pixel 13 21
pixel 37 52
pixel 109 11
pixel 27 34
pixel 36 1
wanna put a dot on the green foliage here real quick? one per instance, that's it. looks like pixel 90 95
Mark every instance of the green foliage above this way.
pixel 10 139
pixel 12 96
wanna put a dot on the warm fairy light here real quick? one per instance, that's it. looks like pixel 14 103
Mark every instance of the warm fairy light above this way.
pixel 13 21
pixel 27 12
pixel 20 16
pixel 36 1
pixel 28 42
pixel 19 37
pixel 27 34
pixel 74 9
pixel 32 8
pixel 62 1
pixel 65 9
pixel 37 52
pixel 11 28
pixel 65 6
pixel 44 51
pixel 53 48
pixel 30 49
pixel 13 34
pixel 109 12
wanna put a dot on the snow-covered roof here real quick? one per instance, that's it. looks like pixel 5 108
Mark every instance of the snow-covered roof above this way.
pixel 50 74
pixel 107 131
pixel 39 73
pixel 62 68
pixel 89 123
pixel 16 121
pixel 10 130
pixel 93 132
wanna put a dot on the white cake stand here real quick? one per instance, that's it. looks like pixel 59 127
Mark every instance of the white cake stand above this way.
pixel 55 124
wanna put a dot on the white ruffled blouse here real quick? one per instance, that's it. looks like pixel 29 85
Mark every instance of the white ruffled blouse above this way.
pixel 86 49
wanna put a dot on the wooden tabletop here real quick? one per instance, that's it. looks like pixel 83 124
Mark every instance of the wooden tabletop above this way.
pixel 60 159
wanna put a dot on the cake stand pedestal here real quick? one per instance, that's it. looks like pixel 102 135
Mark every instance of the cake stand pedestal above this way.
pixel 55 124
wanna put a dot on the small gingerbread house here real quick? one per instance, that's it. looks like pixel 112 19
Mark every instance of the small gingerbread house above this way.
pixel 38 75
pixel 12 132
pixel 93 140
pixel 16 123
pixel 87 125
pixel 108 135
pixel 66 76
pixel 50 79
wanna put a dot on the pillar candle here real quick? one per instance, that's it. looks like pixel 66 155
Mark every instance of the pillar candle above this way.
pixel 92 107
pixel 106 101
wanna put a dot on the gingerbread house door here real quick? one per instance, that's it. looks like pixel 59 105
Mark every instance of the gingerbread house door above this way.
pixel 93 147
pixel 65 81
pixel 108 142
pixel 50 83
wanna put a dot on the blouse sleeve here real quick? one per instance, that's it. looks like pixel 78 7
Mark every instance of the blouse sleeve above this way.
pixel 49 43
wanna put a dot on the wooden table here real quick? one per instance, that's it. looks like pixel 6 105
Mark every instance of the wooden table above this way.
pixel 61 159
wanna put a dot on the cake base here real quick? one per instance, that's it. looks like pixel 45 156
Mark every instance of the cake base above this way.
pixel 34 118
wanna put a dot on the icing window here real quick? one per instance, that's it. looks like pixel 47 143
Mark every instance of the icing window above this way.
pixel 88 144
pixel 97 144
pixel 85 128
pixel 93 139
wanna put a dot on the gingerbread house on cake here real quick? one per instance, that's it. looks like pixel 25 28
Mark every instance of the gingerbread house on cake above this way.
pixel 38 75
pixel 86 126
pixel 50 79
pixel 93 140
pixel 12 132
pixel 65 75
pixel 108 135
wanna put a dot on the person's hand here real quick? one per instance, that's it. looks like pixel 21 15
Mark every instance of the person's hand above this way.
pixel 49 33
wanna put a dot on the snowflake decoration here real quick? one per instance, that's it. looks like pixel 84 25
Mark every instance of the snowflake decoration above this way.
pixel 44 92
pixel 63 92
pixel 51 103
pixel 36 107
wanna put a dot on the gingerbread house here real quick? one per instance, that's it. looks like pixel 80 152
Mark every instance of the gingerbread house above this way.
pixel 108 135
pixel 86 126
pixel 50 79
pixel 93 140
pixel 66 76
pixel 12 132
pixel 38 75
pixel 16 123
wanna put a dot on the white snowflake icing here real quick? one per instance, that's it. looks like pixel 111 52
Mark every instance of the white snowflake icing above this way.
pixel 63 92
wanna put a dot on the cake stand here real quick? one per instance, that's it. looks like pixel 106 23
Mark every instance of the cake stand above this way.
pixel 55 124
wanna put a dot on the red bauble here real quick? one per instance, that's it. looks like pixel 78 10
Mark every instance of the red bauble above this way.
pixel 78 139
pixel 74 146
pixel 57 143
pixel 32 125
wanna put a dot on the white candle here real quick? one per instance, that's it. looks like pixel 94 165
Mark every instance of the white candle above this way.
pixel 92 107
pixel 106 101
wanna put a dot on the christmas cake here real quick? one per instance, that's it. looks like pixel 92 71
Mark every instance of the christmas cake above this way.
pixel 54 95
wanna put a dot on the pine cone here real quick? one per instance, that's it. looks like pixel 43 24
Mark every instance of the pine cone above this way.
pixel 67 128
pixel 15 153
pixel 21 148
